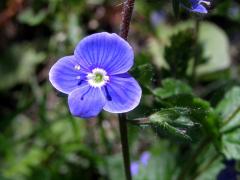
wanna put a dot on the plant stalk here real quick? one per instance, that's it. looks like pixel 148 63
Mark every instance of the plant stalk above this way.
pixel 125 148
pixel 127 11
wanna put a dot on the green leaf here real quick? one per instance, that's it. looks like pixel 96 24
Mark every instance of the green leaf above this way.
pixel 173 122
pixel 231 145
pixel 176 56
pixel 214 40
pixel 229 110
pixel 216 47
pixel 209 167
pixel 143 71
pixel 30 18
pixel 199 111
pixel 171 87
pixel 19 64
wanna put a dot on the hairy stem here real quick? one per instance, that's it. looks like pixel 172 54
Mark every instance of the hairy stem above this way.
pixel 124 29
pixel 126 18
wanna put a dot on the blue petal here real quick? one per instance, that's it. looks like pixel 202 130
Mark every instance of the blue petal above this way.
pixel 107 51
pixel 200 9
pixel 86 101
pixel 124 92
pixel 64 74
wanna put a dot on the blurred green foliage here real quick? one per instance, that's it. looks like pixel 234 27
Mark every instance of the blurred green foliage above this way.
pixel 189 74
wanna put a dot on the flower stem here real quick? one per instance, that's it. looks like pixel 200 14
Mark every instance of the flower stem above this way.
pixel 124 140
pixel 126 18
pixel 127 11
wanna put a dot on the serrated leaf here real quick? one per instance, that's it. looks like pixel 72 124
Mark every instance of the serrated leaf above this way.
pixel 171 87
pixel 199 111
pixel 172 122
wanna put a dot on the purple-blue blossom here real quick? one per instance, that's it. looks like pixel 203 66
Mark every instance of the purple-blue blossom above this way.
pixel 95 77
pixel 199 6
pixel 145 157
pixel 134 168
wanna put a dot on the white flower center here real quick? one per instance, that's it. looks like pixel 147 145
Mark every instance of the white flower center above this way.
pixel 97 78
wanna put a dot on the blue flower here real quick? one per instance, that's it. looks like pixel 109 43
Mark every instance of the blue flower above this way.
pixel 134 168
pixel 135 165
pixel 145 157
pixel 96 77
pixel 198 6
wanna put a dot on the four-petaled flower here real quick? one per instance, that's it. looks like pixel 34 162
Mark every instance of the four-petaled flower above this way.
pixel 96 77
pixel 198 6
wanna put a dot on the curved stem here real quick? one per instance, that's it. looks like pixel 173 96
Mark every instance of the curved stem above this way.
pixel 124 29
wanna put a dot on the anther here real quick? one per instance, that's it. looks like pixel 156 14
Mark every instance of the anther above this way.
pixel 77 67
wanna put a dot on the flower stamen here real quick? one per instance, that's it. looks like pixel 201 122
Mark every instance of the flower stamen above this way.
pixel 97 78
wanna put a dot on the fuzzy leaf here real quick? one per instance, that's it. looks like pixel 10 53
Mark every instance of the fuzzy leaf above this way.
pixel 173 122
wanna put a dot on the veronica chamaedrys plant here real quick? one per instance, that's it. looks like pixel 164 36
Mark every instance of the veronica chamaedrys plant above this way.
pixel 198 6
pixel 96 77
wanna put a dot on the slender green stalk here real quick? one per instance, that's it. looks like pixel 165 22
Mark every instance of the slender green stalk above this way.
pixel 192 158
pixel 202 169
pixel 124 29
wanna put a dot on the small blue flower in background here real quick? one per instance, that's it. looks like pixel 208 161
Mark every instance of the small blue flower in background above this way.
pixel 198 6
pixel 96 77
pixel 134 168
pixel 144 159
